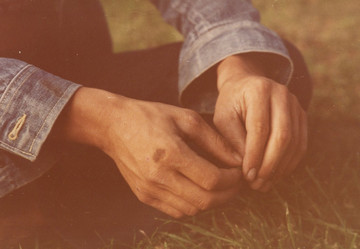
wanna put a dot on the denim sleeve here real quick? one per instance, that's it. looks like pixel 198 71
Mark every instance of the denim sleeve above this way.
pixel 30 101
pixel 214 30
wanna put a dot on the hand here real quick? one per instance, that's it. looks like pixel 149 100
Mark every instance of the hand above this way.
pixel 262 119
pixel 147 141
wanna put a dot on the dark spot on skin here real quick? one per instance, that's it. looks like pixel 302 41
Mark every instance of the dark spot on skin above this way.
pixel 158 155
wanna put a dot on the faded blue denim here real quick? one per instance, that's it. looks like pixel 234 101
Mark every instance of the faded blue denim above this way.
pixel 32 99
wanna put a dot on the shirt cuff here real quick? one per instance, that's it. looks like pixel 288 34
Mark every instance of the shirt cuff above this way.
pixel 29 106
pixel 219 43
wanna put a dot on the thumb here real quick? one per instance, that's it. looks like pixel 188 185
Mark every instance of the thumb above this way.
pixel 232 129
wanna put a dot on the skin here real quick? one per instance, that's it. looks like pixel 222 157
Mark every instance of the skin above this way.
pixel 261 119
pixel 260 126
pixel 147 141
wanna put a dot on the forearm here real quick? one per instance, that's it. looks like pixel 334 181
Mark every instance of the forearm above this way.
pixel 85 119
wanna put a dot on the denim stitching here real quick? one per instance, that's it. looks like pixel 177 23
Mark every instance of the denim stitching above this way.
pixel 42 126
pixel 17 89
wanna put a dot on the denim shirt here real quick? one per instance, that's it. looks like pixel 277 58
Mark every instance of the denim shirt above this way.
pixel 32 99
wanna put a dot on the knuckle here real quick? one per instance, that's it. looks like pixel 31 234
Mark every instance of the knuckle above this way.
pixel 212 180
pixel 218 120
pixel 261 86
pixel 222 119
pixel 177 215
pixel 191 211
pixel 144 198
pixel 193 119
pixel 282 89
pixel 283 137
pixel 284 94
pixel 204 203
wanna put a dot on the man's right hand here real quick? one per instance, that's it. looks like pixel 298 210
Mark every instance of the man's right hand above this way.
pixel 147 141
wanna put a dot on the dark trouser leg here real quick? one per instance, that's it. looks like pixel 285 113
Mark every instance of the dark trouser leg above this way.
pixel 301 84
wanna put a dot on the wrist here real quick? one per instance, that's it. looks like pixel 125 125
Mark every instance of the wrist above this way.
pixel 239 66
pixel 86 118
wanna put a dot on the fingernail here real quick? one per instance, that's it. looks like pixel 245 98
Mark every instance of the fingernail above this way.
pixel 251 175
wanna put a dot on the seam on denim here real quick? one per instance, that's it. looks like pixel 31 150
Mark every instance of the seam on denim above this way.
pixel 45 119
pixel 220 29
pixel 17 89
pixel 12 80
pixel 6 145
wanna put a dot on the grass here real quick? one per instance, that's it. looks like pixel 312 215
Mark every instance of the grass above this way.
pixel 319 206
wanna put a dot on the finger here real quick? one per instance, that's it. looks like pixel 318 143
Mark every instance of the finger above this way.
pixel 143 194
pixel 177 202
pixel 205 174
pixel 280 137
pixel 257 126
pixel 167 209
pixel 188 197
pixel 199 197
pixel 158 196
pixel 302 146
pixel 199 132
pixel 231 128
pixel 168 191
pixel 293 148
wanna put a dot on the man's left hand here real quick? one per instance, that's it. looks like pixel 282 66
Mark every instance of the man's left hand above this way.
pixel 262 120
